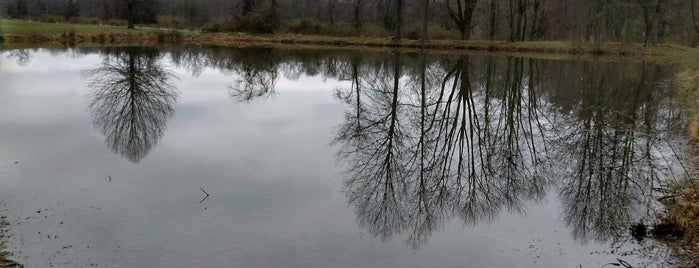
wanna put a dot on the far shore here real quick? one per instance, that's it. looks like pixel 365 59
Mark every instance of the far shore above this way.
pixel 30 33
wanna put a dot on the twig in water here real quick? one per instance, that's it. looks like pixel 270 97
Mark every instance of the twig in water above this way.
pixel 207 194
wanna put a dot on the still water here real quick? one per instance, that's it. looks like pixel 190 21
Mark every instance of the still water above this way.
pixel 262 157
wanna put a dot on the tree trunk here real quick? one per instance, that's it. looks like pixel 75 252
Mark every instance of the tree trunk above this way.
pixel 425 18
pixel 462 16
pixel 491 20
pixel 388 20
pixel 651 18
pixel 694 21
pixel 399 19
pixel 130 6
pixel 248 6
pixel 648 21
pixel 521 20
pixel 357 19
pixel 511 20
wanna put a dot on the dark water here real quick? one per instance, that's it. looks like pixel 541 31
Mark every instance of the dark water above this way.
pixel 259 157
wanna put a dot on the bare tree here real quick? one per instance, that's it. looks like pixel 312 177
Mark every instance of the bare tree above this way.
pixel 461 14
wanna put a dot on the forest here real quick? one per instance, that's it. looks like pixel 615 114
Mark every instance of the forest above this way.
pixel 627 21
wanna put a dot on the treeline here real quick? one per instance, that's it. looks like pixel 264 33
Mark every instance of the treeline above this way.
pixel 647 21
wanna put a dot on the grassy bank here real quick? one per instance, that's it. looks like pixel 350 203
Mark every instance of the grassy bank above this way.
pixel 23 32
pixel 679 228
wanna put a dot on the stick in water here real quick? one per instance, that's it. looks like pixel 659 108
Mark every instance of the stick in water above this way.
pixel 207 194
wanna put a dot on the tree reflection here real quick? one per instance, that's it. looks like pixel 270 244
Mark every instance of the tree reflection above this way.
pixel 21 56
pixel 618 154
pixel 374 141
pixel 428 139
pixel 421 149
pixel 132 100
pixel 424 142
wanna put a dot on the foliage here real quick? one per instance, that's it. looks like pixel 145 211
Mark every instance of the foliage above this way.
pixel 16 8
pixel 115 22
pixel 683 209
pixel 140 11
pixel 169 21
pixel 308 26
pixel 49 18
pixel 70 9
pixel 316 27
pixel 169 36
pixel 25 27
pixel 261 20
pixel 433 32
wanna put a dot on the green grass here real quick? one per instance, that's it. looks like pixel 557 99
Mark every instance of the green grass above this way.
pixel 26 27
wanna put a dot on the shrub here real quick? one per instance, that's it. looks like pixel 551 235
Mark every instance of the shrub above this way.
pixel 70 10
pixel 308 26
pixel 169 36
pixel 373 30
pixel 264 20
pixel 116 22
pixel 439 32
pixel 214 27
pixel 413 33
pixel 315 27
pixel 85 20
pixel 169 21
pixel 49 18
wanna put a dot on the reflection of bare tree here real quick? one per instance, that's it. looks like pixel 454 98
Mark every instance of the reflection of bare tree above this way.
pixel 254 82
pixel 189 58
pixel 20 56
pixel 426 139
pixel 132 100
pixel 374 142
pixel 256 70
pixel 488 140
pixel 441 161
pixel 619 155
pixel 427 143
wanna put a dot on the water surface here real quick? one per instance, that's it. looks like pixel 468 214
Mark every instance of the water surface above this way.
pixel 262 157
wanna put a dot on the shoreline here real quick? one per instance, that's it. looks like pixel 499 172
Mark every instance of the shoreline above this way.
pixel 70 38
pixel 32 33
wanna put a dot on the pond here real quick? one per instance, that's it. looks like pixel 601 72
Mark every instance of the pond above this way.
pixel 267 157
